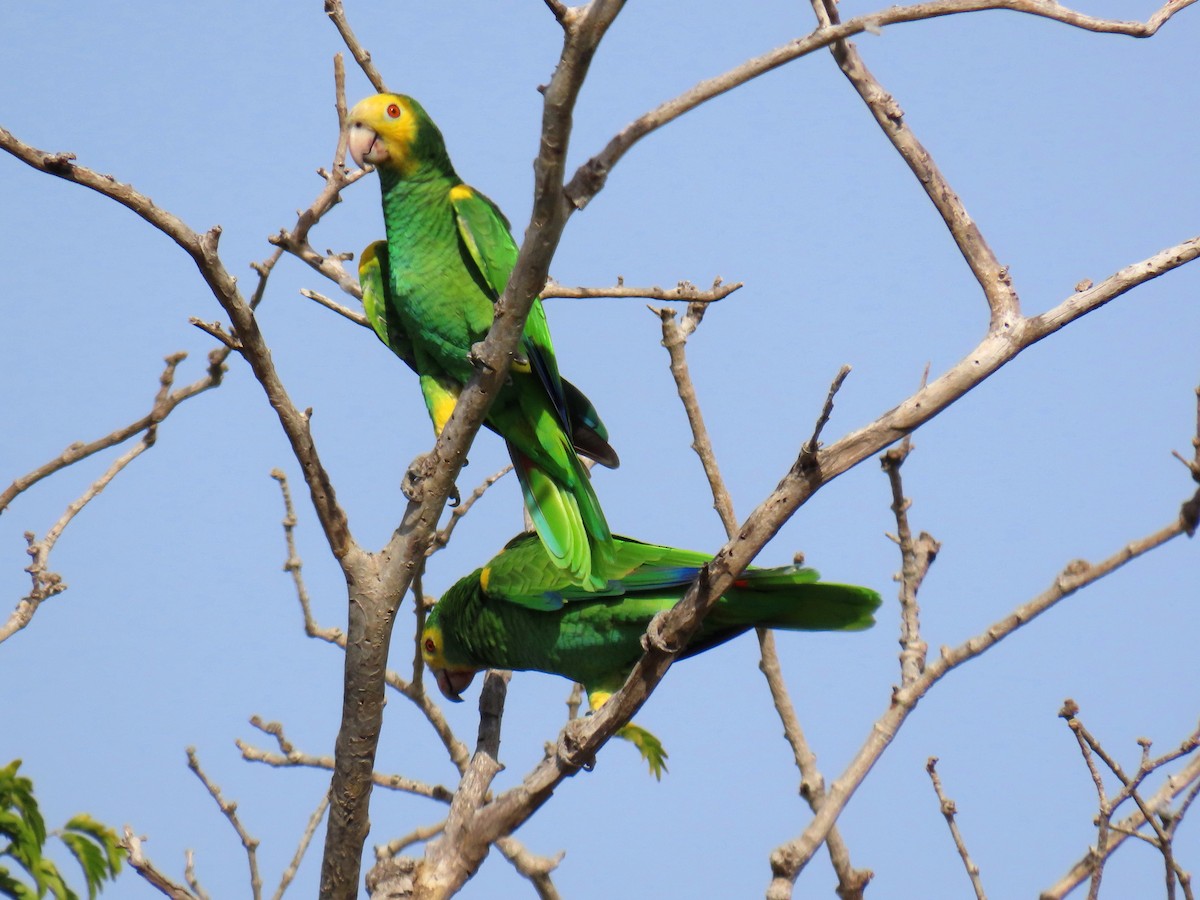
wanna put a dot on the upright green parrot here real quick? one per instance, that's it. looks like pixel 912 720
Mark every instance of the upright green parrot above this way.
pixel 519 612
pixel 430 296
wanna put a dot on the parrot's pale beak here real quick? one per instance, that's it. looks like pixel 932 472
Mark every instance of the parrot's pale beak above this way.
pixel 453 683
pixel 365 145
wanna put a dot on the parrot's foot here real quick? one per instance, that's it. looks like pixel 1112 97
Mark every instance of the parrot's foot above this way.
pixel 419 471
pixel 475 357
pixel 654 636
pixel 568 748
pixel 649 746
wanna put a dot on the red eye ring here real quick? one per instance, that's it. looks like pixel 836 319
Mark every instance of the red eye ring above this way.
pixel 430 646
pixel 393 110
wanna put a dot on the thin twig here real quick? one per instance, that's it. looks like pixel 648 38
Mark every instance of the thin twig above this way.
pixel 329 303
pixel 808 453
pixel 337 178
pixel 675 339
pixel 1157 816
pixel 333 8
pixel 684 290
pixel 536 868
pixel 229 809
pixel 305 841
pixel 442 538
pixel 852 882
pixel 290 757
pixel 163 407
pixel 190 876
pixel 45 583
pixel 915 559
pixel 416 836
pixel 214 329
pixel 950 810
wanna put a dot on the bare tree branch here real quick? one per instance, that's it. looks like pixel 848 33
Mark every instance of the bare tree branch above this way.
pixel 305 841
pixel 788 860
pixel 46 583
pixel 163 406
pixel 915 559
pixel 590 177
pixel 684 290
pixel 992 276
pixel 345 311
pixel 674 339
pixel 950 810
pixel 156 879
pixel 1163 823
pixel 189 875
pixel 229 809
pixel 333 8
pixel 442 538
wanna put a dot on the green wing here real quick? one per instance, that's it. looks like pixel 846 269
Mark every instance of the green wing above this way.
pixel 374 278
pixel 488 238
pixel 523 574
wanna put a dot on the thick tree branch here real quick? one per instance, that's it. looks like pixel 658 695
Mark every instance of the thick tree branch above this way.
pixel 583 738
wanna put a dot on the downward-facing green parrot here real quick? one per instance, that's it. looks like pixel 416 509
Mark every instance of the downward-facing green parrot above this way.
pixel 429 295
pixel 519 612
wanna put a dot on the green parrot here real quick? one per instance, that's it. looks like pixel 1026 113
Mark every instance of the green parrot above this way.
pixel 520 612
pixel 429 295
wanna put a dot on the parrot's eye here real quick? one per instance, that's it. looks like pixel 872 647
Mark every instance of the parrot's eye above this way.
pixel 430 646
pixel 393 110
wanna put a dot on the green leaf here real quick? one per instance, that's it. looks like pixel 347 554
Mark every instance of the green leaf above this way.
pixel 17 793
pixel 49 878
pixel 25 848
pixel 10 887
pixel 105 837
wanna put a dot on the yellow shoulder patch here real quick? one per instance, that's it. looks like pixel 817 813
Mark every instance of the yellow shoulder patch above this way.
pixel 461 192
pixel 484 576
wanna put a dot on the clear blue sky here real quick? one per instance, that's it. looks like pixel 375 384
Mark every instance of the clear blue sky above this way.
pixel 1074 152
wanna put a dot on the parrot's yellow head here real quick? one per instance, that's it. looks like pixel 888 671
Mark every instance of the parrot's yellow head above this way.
pixel 452 680
pixel 394 133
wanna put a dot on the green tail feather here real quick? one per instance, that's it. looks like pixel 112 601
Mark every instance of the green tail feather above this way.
pixel 574 533
pixel 775 598
pixel 649 746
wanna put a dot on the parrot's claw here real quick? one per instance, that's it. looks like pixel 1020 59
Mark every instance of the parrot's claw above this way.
pixel 568 748
pixel 475 357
